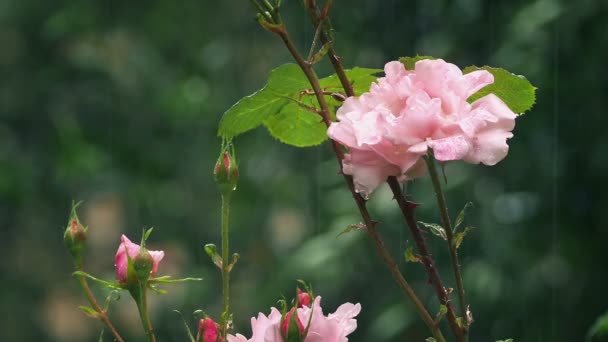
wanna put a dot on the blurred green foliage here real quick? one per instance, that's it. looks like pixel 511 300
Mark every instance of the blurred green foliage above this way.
pixel 117 103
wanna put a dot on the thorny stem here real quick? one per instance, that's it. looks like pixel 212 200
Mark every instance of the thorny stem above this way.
pixel 100 312
pixel 447 224
pixel 225 263
pixel 407 209
pixel 369 223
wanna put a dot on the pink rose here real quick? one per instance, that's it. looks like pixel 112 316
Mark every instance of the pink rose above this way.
pixel 126 246
pixel 334 327
pixel 390 128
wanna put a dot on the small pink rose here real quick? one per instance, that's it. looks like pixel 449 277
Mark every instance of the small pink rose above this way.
pixel 127 247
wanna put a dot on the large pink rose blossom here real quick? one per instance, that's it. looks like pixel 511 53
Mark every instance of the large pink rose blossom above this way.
pixel 121 265
pixel 334 327
pixel 390 128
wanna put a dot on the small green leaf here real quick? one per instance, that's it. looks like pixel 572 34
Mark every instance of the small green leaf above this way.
pixel 114 295
pixel 435 229
pixel 442 311
pixel 147 233
pixel 296 126
pixel 89 311
pixel 459 237
pixel 514 90
pixel 410 256
pixel 351 227
pixel 211 251
pixel 507 340
pixel 410 62
pixel 461 215
pixel 430 339
pixel 100 336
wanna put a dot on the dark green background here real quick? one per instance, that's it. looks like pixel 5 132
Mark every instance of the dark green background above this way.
pixel 117 103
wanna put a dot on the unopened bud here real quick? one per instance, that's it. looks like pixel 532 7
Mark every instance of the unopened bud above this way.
pixel 143 264
pixel 287 330
pixel 207 331
pixel 75 237
pixel 303 298
pixel 226 171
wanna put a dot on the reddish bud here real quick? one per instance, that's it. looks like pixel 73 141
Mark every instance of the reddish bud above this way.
pixel 287 321
pixel 303 298
pixel 207 331
pixel 226 171
pixel 75 237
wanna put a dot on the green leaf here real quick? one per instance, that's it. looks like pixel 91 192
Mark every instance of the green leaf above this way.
pixel 458 237
pixel 430 339
pixel 435 229
pixel 211 251
pixel 410 256
pixel 360 79
pixel 461 215
pixel 89 311
pixel 250 112
pixel 507 340
pixel 351 227
pixel 297 126
pixel 287 79
pixel 410 62
pixel 514 90
pixel 599 331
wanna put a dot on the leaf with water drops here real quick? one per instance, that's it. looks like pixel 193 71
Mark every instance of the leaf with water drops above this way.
pixel 514 90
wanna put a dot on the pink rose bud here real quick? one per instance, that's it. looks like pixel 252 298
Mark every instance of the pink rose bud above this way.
pixel 226 171
pixel 131 249
pixel 303 298
pixel 75 237
pixel 207 330
pixel 287 321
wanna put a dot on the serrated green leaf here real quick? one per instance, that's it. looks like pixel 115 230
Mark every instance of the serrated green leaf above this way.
pixel 89 311
pixel 461 215
pixel 410 256
pixel 296 126
pixel 410 62
pixel 599 331
pixel 435 229
pixel 360 79
pixel 514 90
pixel 287 79
pixel 459 237
pixel 250 113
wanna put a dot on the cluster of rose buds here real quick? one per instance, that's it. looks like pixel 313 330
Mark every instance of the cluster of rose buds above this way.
pixel 389 129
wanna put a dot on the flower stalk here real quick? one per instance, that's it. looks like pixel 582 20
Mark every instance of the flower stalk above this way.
pixel 447 224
